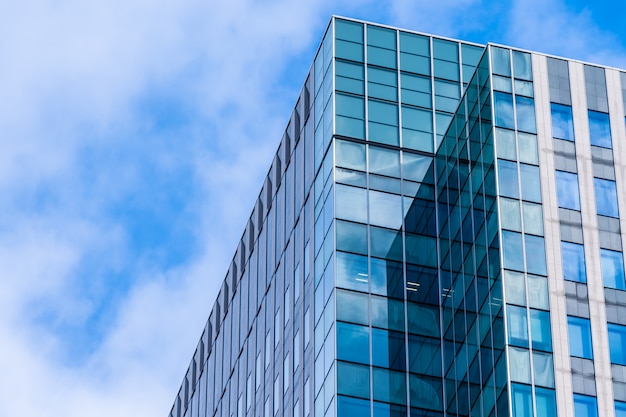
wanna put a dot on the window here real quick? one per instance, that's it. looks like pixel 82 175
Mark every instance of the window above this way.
pixel 567 190
pixel 573 262
pixel 353 343
pixel 540 330
pixel 522 400
pixel 612 269
pixel 606 197
pixel 585 406
pixel 617 343
pixel 503 103
pixel 620 409
pixel 562 124
pixel 517 322
pixel 507 179
pixel 599 129
pixel 525 114
pixel 579 331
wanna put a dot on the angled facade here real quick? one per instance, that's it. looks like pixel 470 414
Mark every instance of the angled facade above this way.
pixel 439 234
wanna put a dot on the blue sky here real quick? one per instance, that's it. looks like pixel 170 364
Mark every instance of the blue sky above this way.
pixel 135 137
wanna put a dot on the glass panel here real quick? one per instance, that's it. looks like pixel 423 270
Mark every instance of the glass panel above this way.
pixel 385 209
pixel 352 307
pixel 351 237
pixel 585 406
pixel 579 331
pixel 612 269
pixel 519 365
pixel 504 110
pixel 620 408
pixel 500 62
pixel 522 66
pixel 414 44
pixel 351 31
pixel 386 278
pixel 535 255
pixel 387 313
pixel 507 179
pixel 510 214
pixel 573 256
pixel 522 400
pixel 417 167
pixel 528 148
pixel 545 402
pixel 351 203
pixel 350 155
pixel 390 386
pixel 353 380
pixel 543 368
pixel 617 343
pixel 533 219
pixel 567 190
pixel 538 292
pixel 562 124
pixel 517 322
pixel 525 108
pixel 352 271
pixel 606 197
pixel 599 129
pixel 540 330
pixel 416 90
pixel 384 161
pixel 381 37
pixel 349 77
pixel 515 288
pixel 353 343
pixel 506 144
pixel 388 349
pixel 385 243
pixel 513 255
pixel 529 179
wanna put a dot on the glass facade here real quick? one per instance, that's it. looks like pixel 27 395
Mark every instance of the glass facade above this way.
pixel 428 242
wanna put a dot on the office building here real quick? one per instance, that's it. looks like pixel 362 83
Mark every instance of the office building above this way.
pixel 439 234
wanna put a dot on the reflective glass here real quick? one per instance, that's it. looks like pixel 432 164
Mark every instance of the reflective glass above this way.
pixel 517 322
pixel 562 123
pixel 612 269
pixel 353 380
pixel 424 355
pixel 620 408
pixel 599 129
pixel 352 307
pixel 388 349
pixel 533 218
pixel 500 61
pixel 538 292
pixel 350 155
pixel 507 179
pixel 417 167
pixel 512 249
pixel 417 132
pixel 606 197
pixel 351 203
pixel 522 400
pixel 617 343
pixel 528 148
pixel 567 190
pixel 579 331
pixel 535 255
pixel 540 330
pixel 352 271
pixel 386 278
pixel 416 90
pixel 543 369
pixel 503 103
pixel 385 243
pixel 525 108
pixel 384 161
pixel 353 343
pixel 545 402
pixel 427 392
pixel 573 262
pixel 347 30
pixel 519 365
pixel 515 288
pixel 390 386
pixel 522 67
pixel 506 144
pixel 385 209
pixel 585 406
pixel 510 214
pixel 423 319
pixel 529 180
pixel 387 313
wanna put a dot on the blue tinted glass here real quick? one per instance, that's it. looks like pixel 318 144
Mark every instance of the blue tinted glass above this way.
pixel 579 331
pixel 612 269
pixel 535 255
pixel 352 407
pixel 599 129
pixel 353 343
pixel 503 103
pixel 507 178
pixel 620 409
pixel 388 349
pixel 606 197
pixel 517 322
pixel 567 190
pixel 540 330
pixel 522 400
pixel 545 401
pixel 350 31
pixel 562 125
pixel 585 406
pixel 500 61
pixel 513 255
pixel 573 262
pixel 529 179
pixel 617 343
pixel 525 114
